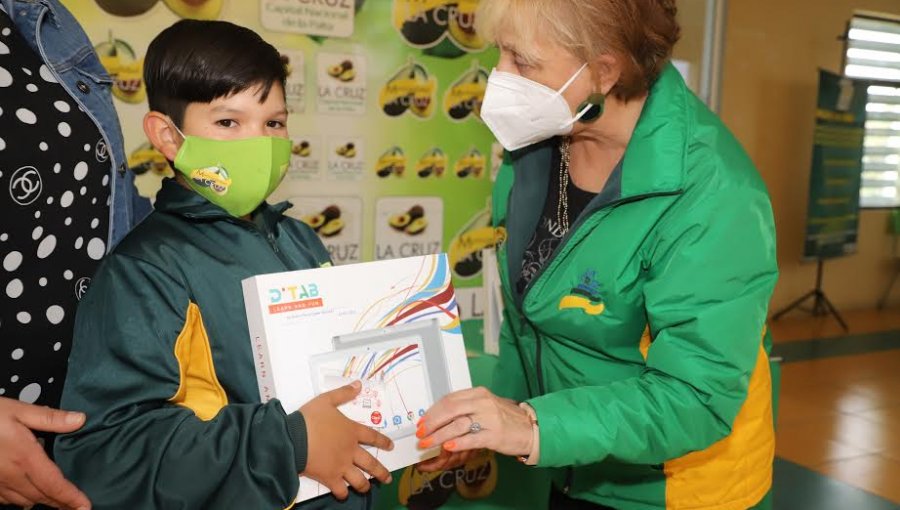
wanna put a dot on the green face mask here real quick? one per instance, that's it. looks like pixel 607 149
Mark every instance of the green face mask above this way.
pixel 236 175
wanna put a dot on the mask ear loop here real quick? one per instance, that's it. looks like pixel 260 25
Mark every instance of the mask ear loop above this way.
pixel 565 86
pixel 589 110
pixel 572 79
pixel 183 137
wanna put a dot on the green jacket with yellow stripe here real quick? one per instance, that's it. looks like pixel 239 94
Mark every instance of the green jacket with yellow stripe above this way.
pixel 163 368
pixel 640 343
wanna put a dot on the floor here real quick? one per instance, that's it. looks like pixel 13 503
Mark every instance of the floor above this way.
pixel 838 427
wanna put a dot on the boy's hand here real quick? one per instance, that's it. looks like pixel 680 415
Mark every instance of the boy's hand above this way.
pixel 27 476
pixel 335 455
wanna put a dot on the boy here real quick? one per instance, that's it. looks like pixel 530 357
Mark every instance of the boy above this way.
pixel 161 363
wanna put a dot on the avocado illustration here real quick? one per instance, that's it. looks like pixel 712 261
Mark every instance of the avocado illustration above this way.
pixel 402 221
pixel 422 491
pixel 347 150
pixel 411 71
pixel 417 226
pixel 466 95
pixel 469 266
pixel 147 159
pixel 409 88
pixel 434 162
pixel 395 98
pixel 122 64
pixel 315 221
pixel 126 7
pixel 464 255
pixel 303 149
pixel 426 24
pixel 332 228
pixel 395 108
pixel 423 99
pixel 320 220
pixel 445 49
pixel 196 9
pixel 343 71
pixel 462 26
pixel 288 68
pixel 417 21
pixel 480 480
pixel 473 163
pixel 393 161
pixel 115 48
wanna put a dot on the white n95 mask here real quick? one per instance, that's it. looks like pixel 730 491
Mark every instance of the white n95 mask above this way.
pixel 521 112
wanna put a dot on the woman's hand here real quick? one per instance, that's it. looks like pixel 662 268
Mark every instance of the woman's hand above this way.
pixel 504 426
pixel 446 461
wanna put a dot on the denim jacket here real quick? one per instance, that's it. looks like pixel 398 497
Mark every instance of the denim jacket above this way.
pixel 56 36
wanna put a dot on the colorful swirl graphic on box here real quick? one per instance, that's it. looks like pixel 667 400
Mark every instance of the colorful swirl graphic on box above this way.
pixel 430 294
pixel 391 399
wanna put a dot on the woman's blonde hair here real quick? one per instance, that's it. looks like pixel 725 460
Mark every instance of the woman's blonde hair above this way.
pixel 641 33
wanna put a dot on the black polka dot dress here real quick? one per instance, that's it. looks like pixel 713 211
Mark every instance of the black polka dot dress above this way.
pixel 54 219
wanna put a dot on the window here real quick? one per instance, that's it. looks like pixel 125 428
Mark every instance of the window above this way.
pixel 873 53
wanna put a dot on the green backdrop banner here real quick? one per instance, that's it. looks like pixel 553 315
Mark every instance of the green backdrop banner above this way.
pixel 390 157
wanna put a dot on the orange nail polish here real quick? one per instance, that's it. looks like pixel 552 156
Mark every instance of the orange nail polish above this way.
pixel 420 422
pixel 450 445
pixel 426 443
pixel 420 433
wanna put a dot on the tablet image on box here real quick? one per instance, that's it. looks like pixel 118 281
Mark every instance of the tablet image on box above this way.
pixel 403 371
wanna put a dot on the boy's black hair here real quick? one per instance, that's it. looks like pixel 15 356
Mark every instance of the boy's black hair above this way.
pixel 197 61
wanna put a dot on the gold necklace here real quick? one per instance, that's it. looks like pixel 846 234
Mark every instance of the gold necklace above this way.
pixel 562 206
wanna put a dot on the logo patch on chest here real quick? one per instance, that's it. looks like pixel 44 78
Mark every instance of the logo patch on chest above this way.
pixel 585 296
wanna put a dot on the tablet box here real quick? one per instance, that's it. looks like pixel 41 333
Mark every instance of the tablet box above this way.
pixel 393 325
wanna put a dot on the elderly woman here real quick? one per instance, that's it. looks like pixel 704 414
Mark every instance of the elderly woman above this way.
pixel 637 272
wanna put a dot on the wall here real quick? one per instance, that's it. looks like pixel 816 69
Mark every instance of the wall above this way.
pixel 692 18
pixel 773 49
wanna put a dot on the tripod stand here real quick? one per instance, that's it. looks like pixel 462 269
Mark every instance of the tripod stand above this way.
pixel 895 227
pixel 820 306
